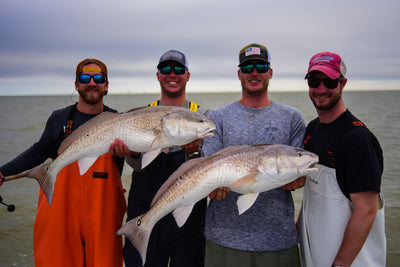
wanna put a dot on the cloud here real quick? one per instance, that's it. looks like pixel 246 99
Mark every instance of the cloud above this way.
pixel 43 40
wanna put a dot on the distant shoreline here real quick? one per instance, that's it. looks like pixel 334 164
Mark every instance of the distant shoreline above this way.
pixel 202 93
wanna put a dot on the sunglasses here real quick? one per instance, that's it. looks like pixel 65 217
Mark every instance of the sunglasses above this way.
pixel 168 69
pixel 98 78
pixel 261 68
pixel 328 82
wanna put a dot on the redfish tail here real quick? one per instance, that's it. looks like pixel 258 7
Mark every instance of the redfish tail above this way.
pixel 139 235
pixel 41 175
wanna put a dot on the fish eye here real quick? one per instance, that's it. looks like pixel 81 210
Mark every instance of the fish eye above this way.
pixel 299 154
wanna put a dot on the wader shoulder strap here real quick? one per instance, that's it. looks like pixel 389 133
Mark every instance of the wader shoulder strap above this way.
pixel 70 121
pixel 192 106
pixel 155 103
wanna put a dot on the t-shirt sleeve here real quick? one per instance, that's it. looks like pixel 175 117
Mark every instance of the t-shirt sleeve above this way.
pixel 362 161
pixel 298 128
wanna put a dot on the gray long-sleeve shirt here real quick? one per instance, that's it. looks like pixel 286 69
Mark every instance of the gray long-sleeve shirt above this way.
pixel 269 224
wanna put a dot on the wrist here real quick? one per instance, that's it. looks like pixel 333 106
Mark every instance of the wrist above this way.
pixel 135 155
pixel 193 155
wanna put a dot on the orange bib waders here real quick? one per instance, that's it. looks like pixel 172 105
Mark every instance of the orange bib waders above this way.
pixel 79 228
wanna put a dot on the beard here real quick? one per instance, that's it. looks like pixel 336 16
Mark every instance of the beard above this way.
pixel 334 99
pixel 91 98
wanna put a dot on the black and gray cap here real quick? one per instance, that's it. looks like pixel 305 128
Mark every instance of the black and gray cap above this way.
pixel 173 55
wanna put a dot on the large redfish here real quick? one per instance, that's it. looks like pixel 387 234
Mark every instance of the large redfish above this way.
pixel 148 130
pixel 247 170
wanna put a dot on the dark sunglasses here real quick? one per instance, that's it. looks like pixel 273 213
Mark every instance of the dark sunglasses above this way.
pixel 328 82
pixel 98 78
pixel 168 69
pixel 261 68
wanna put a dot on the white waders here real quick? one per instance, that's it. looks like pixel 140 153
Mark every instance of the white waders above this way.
pixel 325 213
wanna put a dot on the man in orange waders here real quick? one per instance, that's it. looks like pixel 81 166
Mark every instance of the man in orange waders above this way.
pixel 79 227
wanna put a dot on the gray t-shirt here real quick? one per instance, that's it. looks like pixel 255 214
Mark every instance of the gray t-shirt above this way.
pixel 269 225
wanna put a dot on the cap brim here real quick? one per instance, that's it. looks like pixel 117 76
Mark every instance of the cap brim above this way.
pixel 169 60
pixel 333 74
pixel 252 59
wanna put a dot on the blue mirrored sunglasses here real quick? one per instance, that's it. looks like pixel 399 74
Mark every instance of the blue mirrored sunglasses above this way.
pixel 261 68
pixel 98 78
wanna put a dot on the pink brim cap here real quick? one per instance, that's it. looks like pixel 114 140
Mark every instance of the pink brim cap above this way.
pixel 329 63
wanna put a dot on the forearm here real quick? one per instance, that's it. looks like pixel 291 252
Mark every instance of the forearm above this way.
pixel 25 161
pixel 39 152
pixel 356 233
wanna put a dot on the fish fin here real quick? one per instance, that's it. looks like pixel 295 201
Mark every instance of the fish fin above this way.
pixel 148 157
pixel 160 140
pixel 244 202
pixel 262 175
pixel 85 164
pixel 84 128
pixel 246 181
pixel 263 165
pixel 135 109
pixel 46 183
pixel 181 214
pixel 139 234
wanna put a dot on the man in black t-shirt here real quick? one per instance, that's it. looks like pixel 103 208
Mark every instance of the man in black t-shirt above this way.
pixel 342 217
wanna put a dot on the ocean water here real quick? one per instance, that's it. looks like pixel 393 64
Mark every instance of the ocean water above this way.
pixel 22 120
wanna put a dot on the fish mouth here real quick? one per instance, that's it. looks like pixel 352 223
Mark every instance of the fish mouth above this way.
pixel 205 133
pixel 309 167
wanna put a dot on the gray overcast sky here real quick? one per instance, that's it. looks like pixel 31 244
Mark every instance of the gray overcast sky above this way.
pixel 43 40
